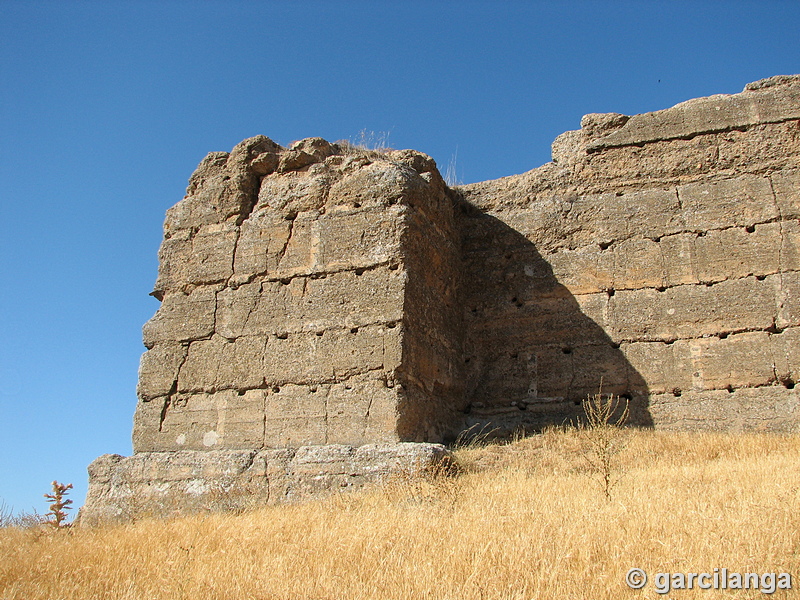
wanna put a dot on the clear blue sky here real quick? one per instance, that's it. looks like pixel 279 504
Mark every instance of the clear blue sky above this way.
pixel 107 107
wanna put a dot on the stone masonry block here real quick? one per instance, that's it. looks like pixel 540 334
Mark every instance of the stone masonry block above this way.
pixel 690 310
pixel 787 192
pixel 169 484
pixel 292 193
pixel 372 186
pixel 737 361
pixel 654 363
pixel 679 259
pixel 225 419
pixel 605 218
pixel 262 241
pixel 182 317
pixel 147 424
pixel 785 349
pixel 584 271
pixel 787 291
pixel 252 361
pixel 158 369
pixel 295 416
pixel 360 409
pixel 637 264
pixel 736 252
pixel 790 248
pixel 173 266
pixel 361 238
pixel 210 260
pixel 339 354
pixel 714 113
pixel 218 363
pixel 742 202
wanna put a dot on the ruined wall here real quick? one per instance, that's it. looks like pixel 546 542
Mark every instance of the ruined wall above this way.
pixel 658 253
pixel 322 305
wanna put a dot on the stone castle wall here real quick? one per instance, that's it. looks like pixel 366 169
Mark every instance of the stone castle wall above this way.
pixel 327 296
pixel 658 253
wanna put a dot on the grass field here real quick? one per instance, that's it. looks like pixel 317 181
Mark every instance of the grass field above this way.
pixel 524 520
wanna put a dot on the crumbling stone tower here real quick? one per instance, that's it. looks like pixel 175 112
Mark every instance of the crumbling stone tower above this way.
pixel 308 298
pixel 326 312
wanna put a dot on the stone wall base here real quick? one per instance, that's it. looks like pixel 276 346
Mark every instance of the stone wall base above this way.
pixel 168 484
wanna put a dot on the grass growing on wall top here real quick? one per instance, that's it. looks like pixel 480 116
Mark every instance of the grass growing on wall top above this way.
pixel 521 521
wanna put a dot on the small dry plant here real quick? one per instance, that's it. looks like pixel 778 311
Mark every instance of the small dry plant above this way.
pixel 59 504
pixel 476 436
pixel 370 140
pixel 23 520
pixel 450 175
pixel 605 416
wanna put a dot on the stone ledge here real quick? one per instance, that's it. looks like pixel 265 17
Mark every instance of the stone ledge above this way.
pixel 168 484
pixel 772 104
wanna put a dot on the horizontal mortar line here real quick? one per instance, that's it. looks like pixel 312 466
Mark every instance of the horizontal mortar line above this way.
pixel 318 274
pixel 705 284
pixel 205 338
pixel 628 341
pixel 599 146
pixel 267 334
pixel 772 383
pixel 727 333
pixel 278 382
pixel 764 168
pixel 704 233
pixel 309 332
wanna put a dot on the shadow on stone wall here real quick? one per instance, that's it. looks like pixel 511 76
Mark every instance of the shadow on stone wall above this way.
pixel 532 349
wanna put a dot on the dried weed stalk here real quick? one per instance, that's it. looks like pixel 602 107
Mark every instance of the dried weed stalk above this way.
pixel 605 416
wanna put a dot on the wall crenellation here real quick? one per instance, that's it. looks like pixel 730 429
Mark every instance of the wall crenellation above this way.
pixel 322 306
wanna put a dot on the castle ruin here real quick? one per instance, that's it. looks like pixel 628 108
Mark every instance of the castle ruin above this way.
pixel 330 314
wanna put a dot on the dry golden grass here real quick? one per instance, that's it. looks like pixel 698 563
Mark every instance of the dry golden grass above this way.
pixel 526 520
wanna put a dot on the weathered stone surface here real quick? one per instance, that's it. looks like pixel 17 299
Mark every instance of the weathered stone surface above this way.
pixel 787 287
pixel 322 295
pixel 742 201
pixel 164 484
pixel 751 409
pixel 787 192
pixel 711 363
pixel 183 317
pixel 716 113
pixel 687 311
pixel 785 349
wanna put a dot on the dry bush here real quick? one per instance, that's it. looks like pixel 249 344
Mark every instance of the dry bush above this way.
pixel 605 415
pixel 525 524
